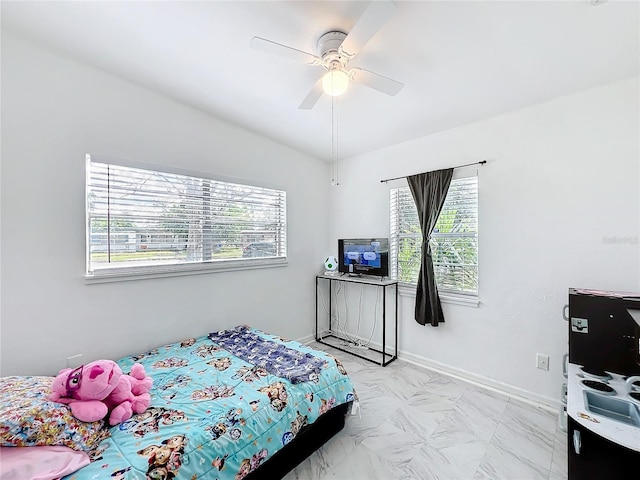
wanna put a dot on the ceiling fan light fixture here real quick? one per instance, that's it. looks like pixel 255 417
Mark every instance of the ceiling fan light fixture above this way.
pixel 335 82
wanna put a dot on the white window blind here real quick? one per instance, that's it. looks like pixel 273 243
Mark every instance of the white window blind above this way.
pixel 454 241
pixel 142 221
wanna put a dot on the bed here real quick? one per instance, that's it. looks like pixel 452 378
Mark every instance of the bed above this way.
pixel 235 404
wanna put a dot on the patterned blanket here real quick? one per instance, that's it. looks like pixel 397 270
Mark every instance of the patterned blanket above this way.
pixel 275 358
pixel 213 416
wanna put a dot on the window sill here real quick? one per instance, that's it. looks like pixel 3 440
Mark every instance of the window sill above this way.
pixel 162 271
pixel 407 290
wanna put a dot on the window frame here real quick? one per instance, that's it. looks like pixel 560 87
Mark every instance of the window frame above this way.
pixel 409 288
pixel 133 272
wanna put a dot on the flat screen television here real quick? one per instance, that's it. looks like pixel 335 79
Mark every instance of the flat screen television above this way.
pixel 368 256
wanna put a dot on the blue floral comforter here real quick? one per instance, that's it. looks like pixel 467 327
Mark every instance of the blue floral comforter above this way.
pixel 214 415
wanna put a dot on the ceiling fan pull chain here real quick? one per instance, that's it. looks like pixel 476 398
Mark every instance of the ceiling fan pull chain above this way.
pixel 337 149
pixel 334 142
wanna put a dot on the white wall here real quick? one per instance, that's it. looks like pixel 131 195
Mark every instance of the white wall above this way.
pixel 53 112
pixel 559 208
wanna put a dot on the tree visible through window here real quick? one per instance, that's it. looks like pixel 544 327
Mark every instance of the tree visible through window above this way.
pixel 141 220
pixel 454 241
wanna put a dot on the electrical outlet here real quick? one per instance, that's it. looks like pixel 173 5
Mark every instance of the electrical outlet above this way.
pixel 74 361
pixel 542 361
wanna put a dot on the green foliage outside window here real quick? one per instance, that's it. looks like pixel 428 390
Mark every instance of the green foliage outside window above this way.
pixel 454 242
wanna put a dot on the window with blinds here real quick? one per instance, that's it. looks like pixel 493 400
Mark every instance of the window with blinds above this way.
pixel 454 241
pixel 142 221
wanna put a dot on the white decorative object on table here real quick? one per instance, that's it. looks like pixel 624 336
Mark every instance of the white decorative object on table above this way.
pixel 331 265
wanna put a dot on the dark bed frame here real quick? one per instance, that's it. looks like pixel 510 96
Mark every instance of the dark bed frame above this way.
pixel 309 439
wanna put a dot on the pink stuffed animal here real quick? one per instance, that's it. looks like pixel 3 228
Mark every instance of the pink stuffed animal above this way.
pixel 99 388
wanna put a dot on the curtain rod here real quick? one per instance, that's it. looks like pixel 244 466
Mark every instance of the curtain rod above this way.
pixel 482 162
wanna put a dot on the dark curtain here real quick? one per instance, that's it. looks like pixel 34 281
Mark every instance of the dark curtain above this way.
pixel 429 191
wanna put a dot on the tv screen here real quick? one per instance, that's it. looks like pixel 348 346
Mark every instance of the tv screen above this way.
pixel 369 256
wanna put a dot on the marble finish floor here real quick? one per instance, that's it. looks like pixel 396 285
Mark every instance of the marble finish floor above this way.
pixel 418 424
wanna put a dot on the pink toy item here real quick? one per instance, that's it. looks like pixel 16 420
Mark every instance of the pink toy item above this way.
pixel 99 388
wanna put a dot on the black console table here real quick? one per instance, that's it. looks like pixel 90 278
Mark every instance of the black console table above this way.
pixel 383 283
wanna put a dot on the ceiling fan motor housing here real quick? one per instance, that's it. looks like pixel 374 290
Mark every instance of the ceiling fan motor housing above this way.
pixel 328 49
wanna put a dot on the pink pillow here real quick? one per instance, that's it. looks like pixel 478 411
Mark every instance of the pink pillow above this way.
pixel 40 463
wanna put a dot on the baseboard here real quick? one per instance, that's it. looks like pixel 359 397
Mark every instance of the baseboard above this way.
pixel 307 339
pixel 521 394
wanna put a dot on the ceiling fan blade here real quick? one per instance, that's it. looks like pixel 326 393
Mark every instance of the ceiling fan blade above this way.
pixel 278 49
pixel 313 96
pixel 373 18
pixel 375 81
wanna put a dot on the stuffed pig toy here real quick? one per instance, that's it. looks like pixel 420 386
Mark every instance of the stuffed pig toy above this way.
pixel 99 388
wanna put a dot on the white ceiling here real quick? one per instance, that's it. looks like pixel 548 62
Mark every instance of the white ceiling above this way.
pixel 459 61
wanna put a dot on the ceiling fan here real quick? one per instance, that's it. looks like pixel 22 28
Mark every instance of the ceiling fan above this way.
pixel 335 50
